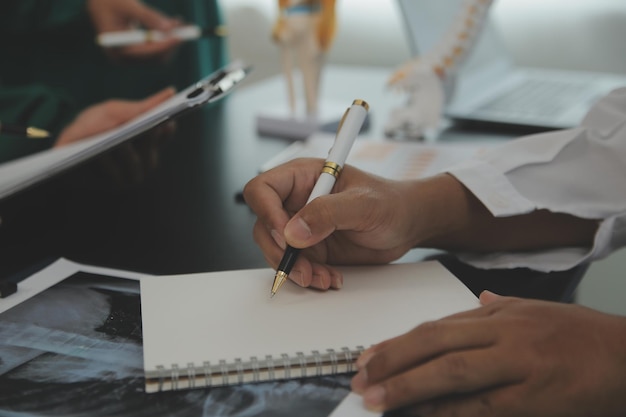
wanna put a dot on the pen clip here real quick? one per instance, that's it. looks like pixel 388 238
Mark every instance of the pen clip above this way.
pixel 343 118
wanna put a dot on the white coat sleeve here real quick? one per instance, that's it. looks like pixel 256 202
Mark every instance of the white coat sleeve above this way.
pixel 580 171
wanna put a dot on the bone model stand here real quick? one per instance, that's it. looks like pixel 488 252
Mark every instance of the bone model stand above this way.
pixel 422 78
pixel 304 30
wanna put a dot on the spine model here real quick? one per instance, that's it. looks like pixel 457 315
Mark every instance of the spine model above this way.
pixel 422 77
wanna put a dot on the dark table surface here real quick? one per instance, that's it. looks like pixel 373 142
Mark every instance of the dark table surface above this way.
pixel 183 216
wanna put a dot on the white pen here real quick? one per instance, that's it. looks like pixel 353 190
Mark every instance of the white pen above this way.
pixel 138 36
pixel 348 130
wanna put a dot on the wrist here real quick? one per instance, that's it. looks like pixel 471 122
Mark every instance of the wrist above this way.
pixel 443 212
pixel 449 216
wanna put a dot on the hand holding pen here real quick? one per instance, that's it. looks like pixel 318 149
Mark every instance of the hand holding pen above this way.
pixel 29 132
pixel 122 15
pixel 141 36
pixel 367 219
pixel 347 132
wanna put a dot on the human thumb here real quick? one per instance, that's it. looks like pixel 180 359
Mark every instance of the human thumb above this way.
pixel 298 233
pixel 149 17
pixel 488 297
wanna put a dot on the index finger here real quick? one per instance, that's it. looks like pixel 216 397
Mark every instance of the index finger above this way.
pixel 149 17
pixel 426 341
pixel 123 110
pixel 275 194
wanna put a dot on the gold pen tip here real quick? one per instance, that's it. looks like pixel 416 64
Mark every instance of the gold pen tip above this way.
pixel 279 279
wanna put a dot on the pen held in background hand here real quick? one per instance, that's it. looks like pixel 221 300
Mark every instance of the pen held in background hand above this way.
pixel 347 132
pixel 24 131
pixel 139 36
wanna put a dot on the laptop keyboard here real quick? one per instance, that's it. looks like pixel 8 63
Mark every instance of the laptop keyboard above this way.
pixel 534 98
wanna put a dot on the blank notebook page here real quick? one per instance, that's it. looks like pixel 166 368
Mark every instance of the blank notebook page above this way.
pixel 192 322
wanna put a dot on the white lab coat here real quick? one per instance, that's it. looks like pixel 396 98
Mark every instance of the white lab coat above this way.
pixel 580 171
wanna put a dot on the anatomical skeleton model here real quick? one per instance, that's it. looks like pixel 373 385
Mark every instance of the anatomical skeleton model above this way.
pixel 304 30
pixel 423 78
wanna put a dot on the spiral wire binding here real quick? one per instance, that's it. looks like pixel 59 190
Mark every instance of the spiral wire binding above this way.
pixel 239 367
pixel 206 366
pixel 348 355
pixel 253 370
pixel 191 374
pixel 175 376
pixel 224 371
pixel 286 365
pixel 333 361
pixel 318 362
pixel 302 361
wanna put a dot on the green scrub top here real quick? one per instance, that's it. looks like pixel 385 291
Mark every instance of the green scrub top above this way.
pixel 51 67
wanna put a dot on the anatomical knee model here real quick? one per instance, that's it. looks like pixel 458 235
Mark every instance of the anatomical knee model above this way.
pixel 304 31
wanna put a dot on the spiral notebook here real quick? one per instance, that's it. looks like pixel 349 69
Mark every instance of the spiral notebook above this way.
pixel 222 328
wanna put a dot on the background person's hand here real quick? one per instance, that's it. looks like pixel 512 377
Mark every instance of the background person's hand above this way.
pixel 509 358
pixel 117 15
pixel 130 162
pixel 108 115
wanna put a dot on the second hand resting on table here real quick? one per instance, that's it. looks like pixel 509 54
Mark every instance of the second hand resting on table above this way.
pixel 511 357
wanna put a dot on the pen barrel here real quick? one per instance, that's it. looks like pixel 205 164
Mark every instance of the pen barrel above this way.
pixel 122 38
pixel 187 32
pixel 138 36
pixel 289 259
pixel 348 130
pixel 323 186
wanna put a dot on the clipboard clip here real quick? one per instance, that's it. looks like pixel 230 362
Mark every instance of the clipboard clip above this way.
pixel 220 82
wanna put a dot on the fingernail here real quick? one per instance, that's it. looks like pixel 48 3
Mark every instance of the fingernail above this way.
pixel 487 297
pixel 299 229
pixel 359 382
pixel 336 280
pixel 364 358
pixel 374 398
pixel 278 239
pixel 324 281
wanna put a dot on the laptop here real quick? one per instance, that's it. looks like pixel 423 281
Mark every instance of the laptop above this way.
pixel 490 87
